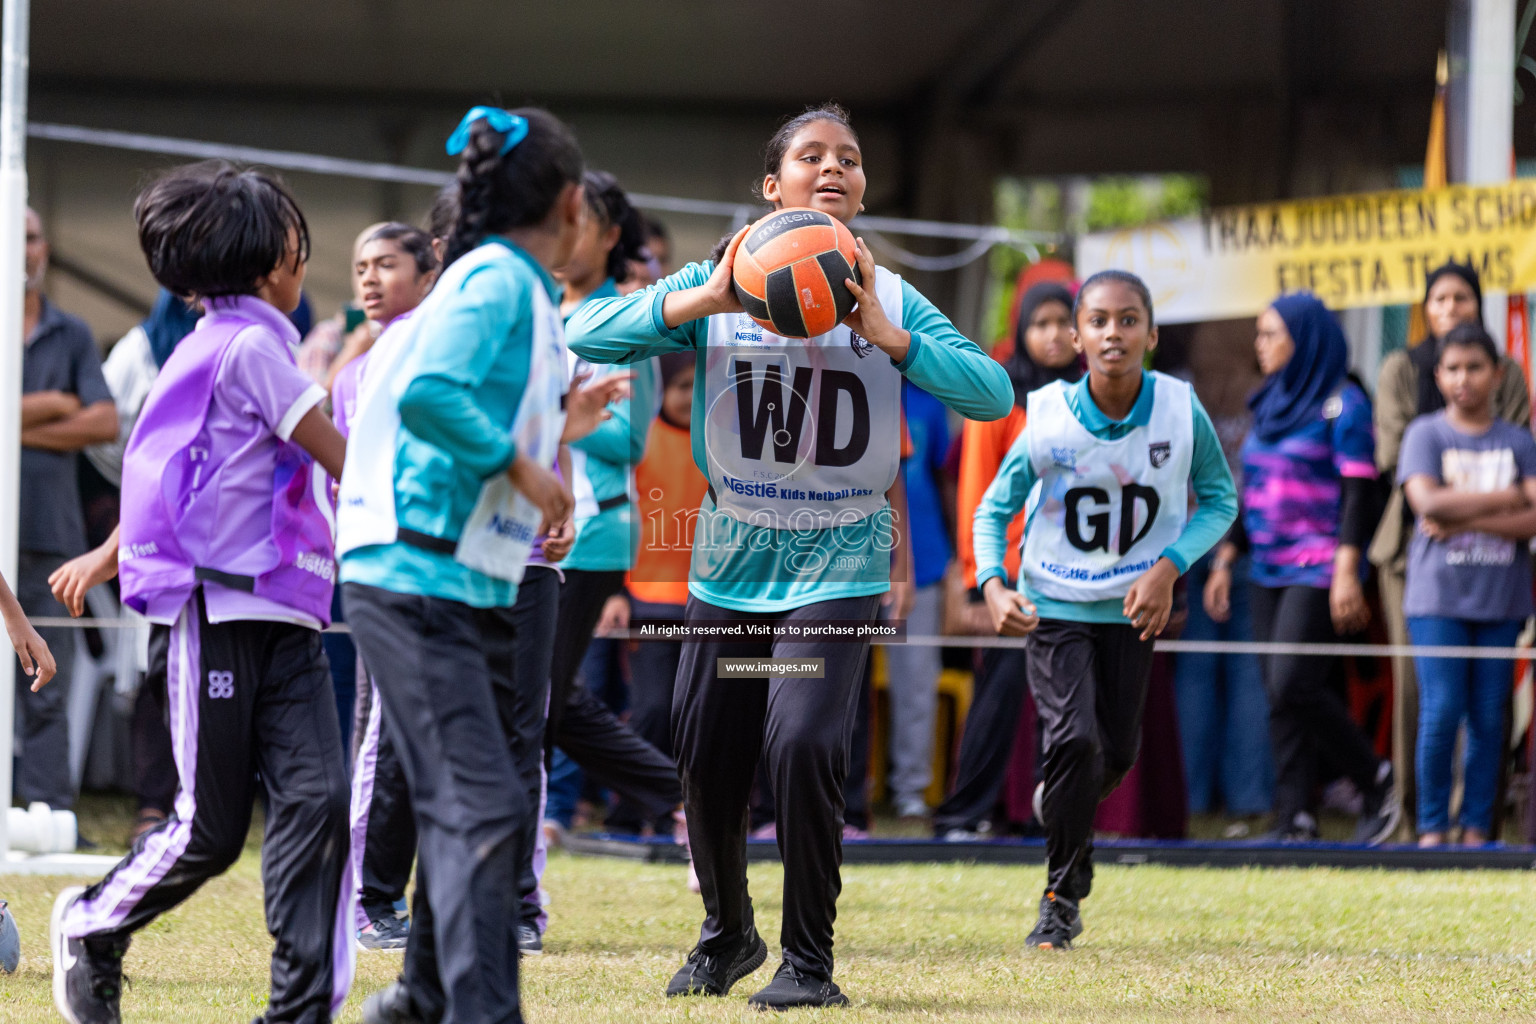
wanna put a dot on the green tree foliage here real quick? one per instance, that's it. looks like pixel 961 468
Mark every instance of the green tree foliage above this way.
pixel 1073 206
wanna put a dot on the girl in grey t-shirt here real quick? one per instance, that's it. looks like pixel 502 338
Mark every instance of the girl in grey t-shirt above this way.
pixel 1470 479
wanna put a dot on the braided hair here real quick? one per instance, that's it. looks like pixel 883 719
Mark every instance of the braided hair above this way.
pixel 499 192
pixel 611 206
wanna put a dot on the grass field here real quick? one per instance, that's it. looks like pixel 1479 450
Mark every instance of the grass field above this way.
pixel 926 943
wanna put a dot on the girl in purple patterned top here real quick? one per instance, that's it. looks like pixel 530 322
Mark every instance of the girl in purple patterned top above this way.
pixel 227 547
pixel 1309 482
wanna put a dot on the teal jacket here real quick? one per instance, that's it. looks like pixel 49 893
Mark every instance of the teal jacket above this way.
pixel 1209 474
pixel 759 568
pixel 468 375
pixel 609 540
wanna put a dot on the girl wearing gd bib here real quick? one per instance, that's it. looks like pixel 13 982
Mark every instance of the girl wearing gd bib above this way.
pixel 794 532
pixel 1114 455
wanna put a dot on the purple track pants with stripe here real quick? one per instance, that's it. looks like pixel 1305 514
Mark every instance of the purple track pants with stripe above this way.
pixel 250 707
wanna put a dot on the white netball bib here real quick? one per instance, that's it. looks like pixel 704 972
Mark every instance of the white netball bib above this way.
pixel 801 433
pixel 1105 510
pixel 500 530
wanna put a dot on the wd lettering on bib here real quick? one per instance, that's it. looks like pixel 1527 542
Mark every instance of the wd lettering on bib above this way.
pixel 801 433
pixel 1104 511
pixel 786 413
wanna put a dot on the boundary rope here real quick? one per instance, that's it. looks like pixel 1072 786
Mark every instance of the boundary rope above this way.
pixel 1163 646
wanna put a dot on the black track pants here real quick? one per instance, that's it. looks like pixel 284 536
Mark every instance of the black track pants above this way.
pixel 522 700
pixel 987 743
pixel 1307 715
pixel 383 825
pixel 435 664
pixel 720 726
pixel 580 724
pixel 251 707
pixel 154 761
pixel 1089 680
pixel 582 595
pixel 652 677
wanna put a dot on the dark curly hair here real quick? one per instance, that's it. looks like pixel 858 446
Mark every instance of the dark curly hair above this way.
pixel 210 229
pixel 499 192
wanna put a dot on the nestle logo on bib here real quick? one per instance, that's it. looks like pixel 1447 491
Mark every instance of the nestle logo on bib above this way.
pixel 861 348
pixel 510 529
pixel 317 565
pixel 748 331
pixel 1158 453
pixel 1064 458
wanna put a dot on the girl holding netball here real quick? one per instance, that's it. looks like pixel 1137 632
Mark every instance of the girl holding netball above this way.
pixel 1109 533
pixel 790 564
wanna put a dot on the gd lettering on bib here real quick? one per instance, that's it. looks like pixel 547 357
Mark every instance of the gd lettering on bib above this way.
pixel 1104 511
pixel 801 434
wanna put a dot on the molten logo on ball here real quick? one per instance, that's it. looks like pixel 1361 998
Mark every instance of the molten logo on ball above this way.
pixel 790 272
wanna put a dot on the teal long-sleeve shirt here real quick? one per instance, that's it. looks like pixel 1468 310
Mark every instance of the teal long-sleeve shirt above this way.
pixel 610 539
pixel 1210 477
pixel 757 568
pixel 466 379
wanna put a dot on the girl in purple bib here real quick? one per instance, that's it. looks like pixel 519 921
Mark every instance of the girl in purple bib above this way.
pixel 226 544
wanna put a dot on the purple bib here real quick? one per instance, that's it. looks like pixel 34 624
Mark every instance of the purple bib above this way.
pixel 197 509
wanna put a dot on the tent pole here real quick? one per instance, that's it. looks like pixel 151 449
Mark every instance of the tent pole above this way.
pixel 14 29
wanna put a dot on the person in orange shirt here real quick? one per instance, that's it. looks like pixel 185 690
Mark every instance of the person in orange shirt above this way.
pixel 670 488
pixel 1041 352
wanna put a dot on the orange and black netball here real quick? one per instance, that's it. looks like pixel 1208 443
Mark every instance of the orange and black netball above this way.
pixel 790 270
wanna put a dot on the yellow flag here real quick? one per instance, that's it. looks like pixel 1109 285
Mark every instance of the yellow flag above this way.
pixel 1434 177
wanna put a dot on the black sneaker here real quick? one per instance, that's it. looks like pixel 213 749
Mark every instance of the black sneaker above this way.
pixel 529 941
pixel 87 973
pixel 391 1005
pixel 713 975
pixel 1382 810
pixel 1300 829
pixel 792 987
pixel 1059 923
pixel 384 932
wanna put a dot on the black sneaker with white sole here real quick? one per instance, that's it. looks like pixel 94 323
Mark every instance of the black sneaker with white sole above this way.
pixel 706 974
pixel 385 931
pixel 529 940
pixel 792 987
pixel 1059 923
pixel 87 973
pixel 1382 810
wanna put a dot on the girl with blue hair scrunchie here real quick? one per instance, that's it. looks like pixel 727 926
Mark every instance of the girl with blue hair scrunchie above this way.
pixel 431 607
pixel 1309 480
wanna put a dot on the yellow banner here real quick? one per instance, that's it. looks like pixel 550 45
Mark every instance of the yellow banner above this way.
pixel 1371 249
